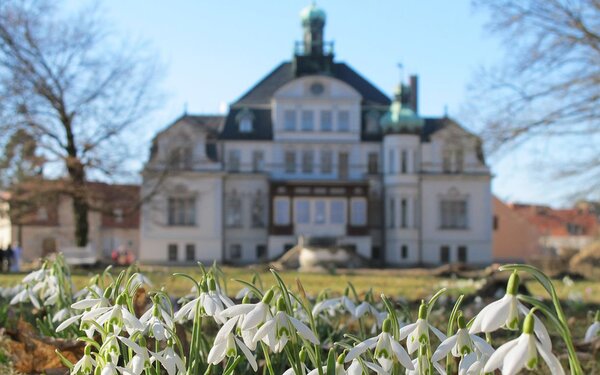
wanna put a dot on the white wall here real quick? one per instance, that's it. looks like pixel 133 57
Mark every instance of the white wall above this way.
pixel 206 235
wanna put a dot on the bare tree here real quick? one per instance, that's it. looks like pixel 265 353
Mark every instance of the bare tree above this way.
pixel 548 84
pixel 76 88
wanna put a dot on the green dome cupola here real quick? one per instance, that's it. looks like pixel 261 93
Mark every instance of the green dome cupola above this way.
pixel 401 118
pixel 312 14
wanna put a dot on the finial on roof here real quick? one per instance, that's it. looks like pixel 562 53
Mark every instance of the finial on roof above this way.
pixel 185 108
pixel 446 111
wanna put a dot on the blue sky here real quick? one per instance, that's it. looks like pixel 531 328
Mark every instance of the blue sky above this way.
pixel 213 51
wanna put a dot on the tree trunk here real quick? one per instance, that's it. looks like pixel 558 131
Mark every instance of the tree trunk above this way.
pixel 80 212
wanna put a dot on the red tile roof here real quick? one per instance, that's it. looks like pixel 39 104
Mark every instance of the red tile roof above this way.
pixel 559 222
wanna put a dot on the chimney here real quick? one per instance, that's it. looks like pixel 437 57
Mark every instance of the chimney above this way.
pixel 414 93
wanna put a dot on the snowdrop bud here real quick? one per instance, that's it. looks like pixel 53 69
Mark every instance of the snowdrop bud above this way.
pixel 88 350
pixel 461 322
pixel 108 292
pixel 423 310
pixel 512 287
pixel 268 296
pixel 212 284
pixel 203 286
pixel 246 299
pixel 281 304
pixel 387 326
pixel 529 323
pixel 303 355
pixel 342 358
pixel 121 299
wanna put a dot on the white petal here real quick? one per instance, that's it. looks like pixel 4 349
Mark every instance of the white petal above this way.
pixel 444 348
pixel 551 360
pixel 85 303
pixel 592 332
pixel 360 348
pixel 498 357
pixel 304 331
pixel 401 354
pixel 226 329
pixel 482 345
pixel 496 314
pixel 266 328
pixel 67 322
pixel 235 310
pixel 437 332
pixel 217 352
pixel 517 357
pixel 248 354
pixel 406 330
pixel 256 316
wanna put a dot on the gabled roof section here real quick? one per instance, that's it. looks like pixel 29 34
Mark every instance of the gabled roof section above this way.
pixel 263 91
pixel 262 126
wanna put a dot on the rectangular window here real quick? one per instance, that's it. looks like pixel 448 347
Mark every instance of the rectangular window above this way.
pixel 290 162
pixel 235 251
pixel 190 252
pixel 326 121
pixel 404 213
pixel 375 252
pixel 495 223
pixel 392 211
pixel 289 120
pixel 462 254
pixel 447 161
pixel 258 161
pixel 181 211
pixel 459 161
pixel 343 124
pixel 337 212
pixel 233 210
pixel 445 254
pixel 302 211
pixel 233 160
pixel 391 162
pixel 308 121
pixel 343 165
pixel 320 212
pixel 282 211
pixel 404 161
pixel 358 214
pixel 453 214
pixel 261 252
pixel 307 161
pixel 326 161
pixel 404 252
pixel 373 163
pixel 172 252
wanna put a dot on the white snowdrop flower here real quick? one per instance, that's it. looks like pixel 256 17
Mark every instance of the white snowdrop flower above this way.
pixel 505 313
pixel 473 363
pixel 277 331
pixel 462 343
pixel 141 359
pixel 92 290
pixel 421 367
pixel 116 318
pixel 355 367
pixel 110 349
pixel 254 314
pixel 158 322
pixel 86 364
pixel 593 331
pixel 523 352
pixel 170 360
pixel 344 303
pixel 386 348
pixel 61 315
pixel 137 280
pixel 24 296
pixel 36 276
pixel 418 333
pixel 243 293
pixel 226 344
pixel 212 303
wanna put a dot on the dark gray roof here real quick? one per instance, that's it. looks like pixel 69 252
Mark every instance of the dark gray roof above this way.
pixel 263 91
pixel 262 126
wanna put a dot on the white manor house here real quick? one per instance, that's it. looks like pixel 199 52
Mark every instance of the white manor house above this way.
pixel 315 150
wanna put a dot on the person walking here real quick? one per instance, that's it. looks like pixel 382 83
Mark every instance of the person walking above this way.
pixel 8 256
pixel 2 252
pixel 16 266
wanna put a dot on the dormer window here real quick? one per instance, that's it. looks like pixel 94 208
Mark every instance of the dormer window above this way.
pixel 245 121
pixel 372 119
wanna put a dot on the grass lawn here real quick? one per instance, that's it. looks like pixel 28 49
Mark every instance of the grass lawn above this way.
pixel 410 284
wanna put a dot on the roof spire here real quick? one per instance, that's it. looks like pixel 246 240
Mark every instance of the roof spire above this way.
pixel 185 108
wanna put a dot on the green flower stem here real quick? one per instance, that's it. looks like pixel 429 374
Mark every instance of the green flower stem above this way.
pixel 267 358
pixel 560 315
